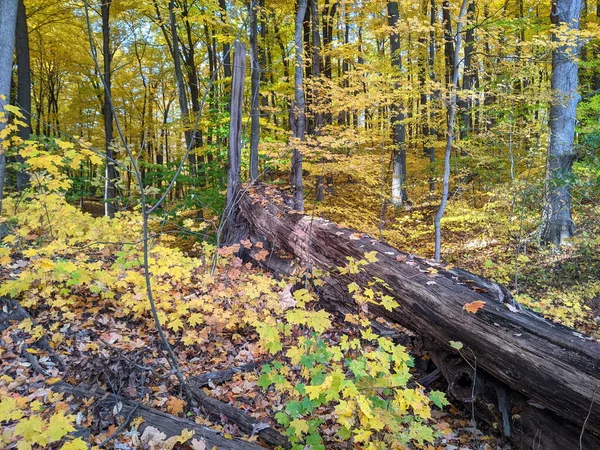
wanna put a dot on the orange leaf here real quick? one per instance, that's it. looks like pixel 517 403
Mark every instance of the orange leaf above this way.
pixel 473 307
pixel 261 256
pixel 175 405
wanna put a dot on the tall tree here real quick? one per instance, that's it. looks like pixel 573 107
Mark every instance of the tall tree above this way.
pixel 255 89
pixel 298 112
pixel 449 131
pixel 23 84
pixel 182 95
pixel 557 223
pixel 398 127
pixel 8 22
pixel 107 110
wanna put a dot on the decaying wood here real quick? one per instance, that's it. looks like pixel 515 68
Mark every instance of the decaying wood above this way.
pixel 552 366
pixel 220 376
pixel 12 312
pixel 168 424
pixel 216 409
pixel 525 422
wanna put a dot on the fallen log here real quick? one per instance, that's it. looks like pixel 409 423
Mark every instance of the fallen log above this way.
pixel 549 365
pixel 168 424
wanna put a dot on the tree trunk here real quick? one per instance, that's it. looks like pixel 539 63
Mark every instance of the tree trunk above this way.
pixel 557 224
pixel 8 21
pixel 554 369
pixel 399 128
pixel 111 171
pixel 182 95
pixel 449 133
pixel 298 112
pixel 468 74
pixel 255 92
pixel 23 86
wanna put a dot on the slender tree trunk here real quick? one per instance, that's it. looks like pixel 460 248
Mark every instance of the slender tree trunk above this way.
pixel 298 112
pixel 448 40
pixel 182 95
pixel 111 172
pixel 468 74
pixel 255 91
pixel 431 131
pixel 23 86
pixel 192 75
pixel 449 133
pixel 8 21
pixel 557 224
pixel 316 65
pixel 399 128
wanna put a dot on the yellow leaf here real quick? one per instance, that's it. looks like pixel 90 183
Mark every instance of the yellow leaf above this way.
pixel 300 426
pixel 31 430
pixel 185 435
pixel 9 409
pixel 59 426
pixel 77 444
pixel 371 256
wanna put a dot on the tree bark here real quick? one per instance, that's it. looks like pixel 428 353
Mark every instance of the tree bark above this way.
pixel 551 366
pixel 557 223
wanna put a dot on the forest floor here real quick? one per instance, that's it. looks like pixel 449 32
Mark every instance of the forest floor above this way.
pixel 94 340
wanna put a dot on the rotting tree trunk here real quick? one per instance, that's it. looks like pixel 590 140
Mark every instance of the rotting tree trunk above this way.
pixel 547 364
pixel 235 142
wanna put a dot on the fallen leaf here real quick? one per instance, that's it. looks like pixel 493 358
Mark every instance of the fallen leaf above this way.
pixel 473 307
pixel 175 405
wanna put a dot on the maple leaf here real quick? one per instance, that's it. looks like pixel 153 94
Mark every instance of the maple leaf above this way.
pixel 261 255
pixel 285 298
pixel 473 307
pixel 59 426
pixel 300 426
pixel 371 256
pixel 77 444
pixel 198 444
pixel 31 430
pixel 9 409
pixel 175 405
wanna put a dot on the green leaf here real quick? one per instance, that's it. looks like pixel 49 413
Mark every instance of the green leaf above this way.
pixel 457 345
pixel 439 399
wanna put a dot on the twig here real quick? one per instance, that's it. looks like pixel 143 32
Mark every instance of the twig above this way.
pixel 587 418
